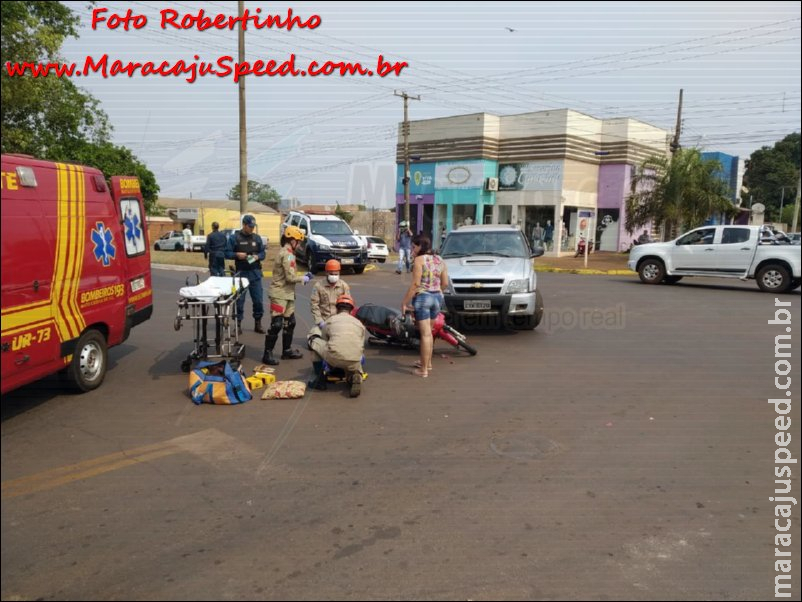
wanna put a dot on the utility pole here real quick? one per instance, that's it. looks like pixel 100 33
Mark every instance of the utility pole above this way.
pixel 243 139
pixel 675 142
pixel 796 203
pixel 405 130
pixel 782 201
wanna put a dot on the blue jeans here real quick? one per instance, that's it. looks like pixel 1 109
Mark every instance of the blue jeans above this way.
pixel 427 305
pixel 255 288
pixel 402 252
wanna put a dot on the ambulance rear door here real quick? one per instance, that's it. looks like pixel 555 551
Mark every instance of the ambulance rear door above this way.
pixel 139 292
pixel 29 341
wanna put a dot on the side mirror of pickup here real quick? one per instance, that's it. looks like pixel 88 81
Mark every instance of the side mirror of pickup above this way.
pixel 537 251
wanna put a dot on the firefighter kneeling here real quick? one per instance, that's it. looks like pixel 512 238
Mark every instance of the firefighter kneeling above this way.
pixel 341 344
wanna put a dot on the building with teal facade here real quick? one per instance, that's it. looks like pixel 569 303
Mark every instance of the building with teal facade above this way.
pixel 539 171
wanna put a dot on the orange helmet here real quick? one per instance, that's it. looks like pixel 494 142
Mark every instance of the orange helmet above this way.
pixel 332 265
pixel 345 300
pixel 294 232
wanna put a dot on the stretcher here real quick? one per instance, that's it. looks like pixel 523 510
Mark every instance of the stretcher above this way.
pixel 212 304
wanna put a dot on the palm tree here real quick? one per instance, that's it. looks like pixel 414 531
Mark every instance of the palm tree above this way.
pixel 680 191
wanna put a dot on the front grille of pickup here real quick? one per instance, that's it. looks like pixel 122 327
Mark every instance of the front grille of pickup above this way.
pixel 477 286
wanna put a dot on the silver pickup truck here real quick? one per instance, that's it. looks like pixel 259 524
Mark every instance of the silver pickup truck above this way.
pixel 719 251
pixel 492 278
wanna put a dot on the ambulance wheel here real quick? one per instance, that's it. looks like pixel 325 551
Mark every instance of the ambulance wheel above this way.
pixel 89 362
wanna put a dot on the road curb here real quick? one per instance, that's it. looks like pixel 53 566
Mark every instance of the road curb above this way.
pixel 177 268
pixel 586 271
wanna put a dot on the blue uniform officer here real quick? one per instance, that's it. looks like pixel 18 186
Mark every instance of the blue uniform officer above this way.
pixel 247 250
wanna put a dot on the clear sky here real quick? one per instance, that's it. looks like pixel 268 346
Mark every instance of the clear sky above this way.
pixel 330 138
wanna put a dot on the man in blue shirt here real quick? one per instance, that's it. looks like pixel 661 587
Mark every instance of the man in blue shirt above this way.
pixel 215 250
pixel 247 250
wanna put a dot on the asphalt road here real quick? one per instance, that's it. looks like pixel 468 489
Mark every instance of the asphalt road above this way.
pixel 623 450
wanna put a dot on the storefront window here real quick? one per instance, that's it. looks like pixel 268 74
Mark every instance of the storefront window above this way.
pixel 539 226
pixel 504 214
pixel 464 215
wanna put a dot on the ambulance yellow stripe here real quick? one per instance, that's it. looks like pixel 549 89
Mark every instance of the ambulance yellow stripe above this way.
pixel 75 257
pixel 62 243
pixel 25 319
pixel 25 307
pixel 65 218
pixel 69 273
pixel 82 234
pixel 80 249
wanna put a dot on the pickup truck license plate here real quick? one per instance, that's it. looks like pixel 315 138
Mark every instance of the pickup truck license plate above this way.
pixel 477 305
pixel 346 261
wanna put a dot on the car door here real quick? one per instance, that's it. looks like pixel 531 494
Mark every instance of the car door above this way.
pixel 305 227
pixel 695 251
pixel 734 253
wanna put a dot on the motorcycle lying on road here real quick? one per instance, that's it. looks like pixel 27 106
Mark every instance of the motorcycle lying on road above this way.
pixel 388 326
pixel 580 248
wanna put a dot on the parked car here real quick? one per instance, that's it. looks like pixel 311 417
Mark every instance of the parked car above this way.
pixel 492 277
pixel 174 241
pixel 327 237
pixel 723 252
pixel 377 248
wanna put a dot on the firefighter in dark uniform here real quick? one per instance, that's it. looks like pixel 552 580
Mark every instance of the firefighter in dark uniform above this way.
pixel 215 250
pixel 282 298
pixel 248 251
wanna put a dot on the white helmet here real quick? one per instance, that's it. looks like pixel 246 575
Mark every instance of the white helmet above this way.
pixel 402 224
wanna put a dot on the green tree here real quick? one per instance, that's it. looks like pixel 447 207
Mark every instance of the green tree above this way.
pixel 120 161
pixel 343 214
pixel 772 174
pixel 46 117
pixel 258 193
pixel 49 117
pixel 679 192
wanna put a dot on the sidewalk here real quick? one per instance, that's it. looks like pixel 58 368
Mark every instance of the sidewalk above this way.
pixel 600 262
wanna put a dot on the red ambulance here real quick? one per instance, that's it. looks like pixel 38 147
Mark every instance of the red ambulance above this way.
pixel 75 270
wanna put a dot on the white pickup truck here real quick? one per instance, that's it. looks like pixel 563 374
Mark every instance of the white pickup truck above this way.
pixel 174 241
pixel 722 252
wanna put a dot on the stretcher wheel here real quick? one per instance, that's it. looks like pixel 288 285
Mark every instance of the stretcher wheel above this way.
pixel 186 365
pixel 177 323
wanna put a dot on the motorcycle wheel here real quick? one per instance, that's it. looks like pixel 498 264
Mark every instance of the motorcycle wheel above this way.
pixel 461 340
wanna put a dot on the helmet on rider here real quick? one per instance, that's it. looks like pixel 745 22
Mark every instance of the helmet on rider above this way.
pixel 332 265
pixel 345 301
pixel 294 232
